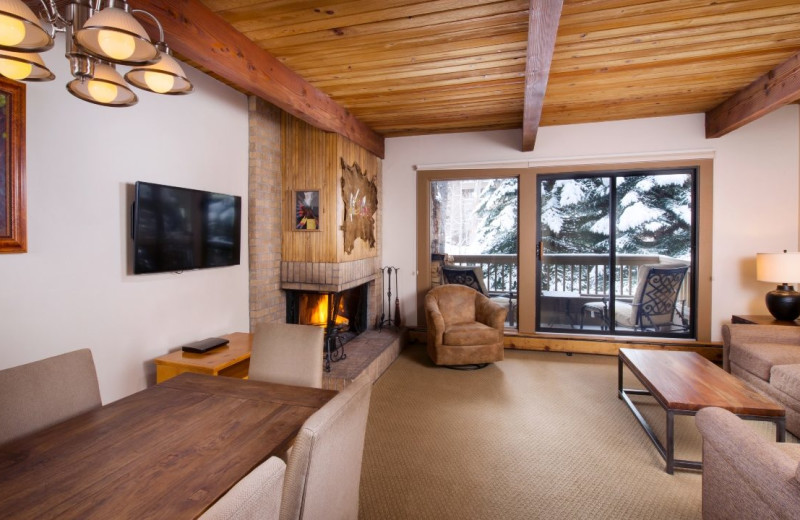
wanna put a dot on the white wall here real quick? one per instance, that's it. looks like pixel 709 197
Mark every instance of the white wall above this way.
pixel 72 288
pixel 756 171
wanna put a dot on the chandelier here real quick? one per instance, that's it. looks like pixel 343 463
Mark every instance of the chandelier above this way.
pixel 97 38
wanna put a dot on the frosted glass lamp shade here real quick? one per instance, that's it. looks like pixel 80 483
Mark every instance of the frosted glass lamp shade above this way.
pixel 106 87
pixel 163 77
pixel 781 268
pixel 114 35
pixel 20 30
pixel 24 66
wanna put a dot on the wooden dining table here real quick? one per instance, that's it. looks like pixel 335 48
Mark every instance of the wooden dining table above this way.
pixel 169 451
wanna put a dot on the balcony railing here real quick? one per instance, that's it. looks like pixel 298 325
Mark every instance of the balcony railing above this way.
pixel 499 271
pixel 587 274
pixel 590 274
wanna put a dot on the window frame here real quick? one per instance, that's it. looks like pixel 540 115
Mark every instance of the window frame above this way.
pixel 527 237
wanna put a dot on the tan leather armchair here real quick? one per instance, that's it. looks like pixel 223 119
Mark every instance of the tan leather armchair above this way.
pixel 464 327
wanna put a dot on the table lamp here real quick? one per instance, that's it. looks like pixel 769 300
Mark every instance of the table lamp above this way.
pixel 781 268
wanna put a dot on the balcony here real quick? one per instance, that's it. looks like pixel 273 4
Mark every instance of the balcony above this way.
pixel 568 281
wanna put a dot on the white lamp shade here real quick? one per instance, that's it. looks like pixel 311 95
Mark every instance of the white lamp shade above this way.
pixel 778 267
pixel 114 34
pixel 12 65
pixel 20 29
pixel 106 87
pixel 168 69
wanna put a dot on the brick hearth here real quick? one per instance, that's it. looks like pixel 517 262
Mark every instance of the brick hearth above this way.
pixel 371 352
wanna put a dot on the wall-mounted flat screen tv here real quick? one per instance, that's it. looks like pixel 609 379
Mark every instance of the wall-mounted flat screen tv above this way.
pixel 178 229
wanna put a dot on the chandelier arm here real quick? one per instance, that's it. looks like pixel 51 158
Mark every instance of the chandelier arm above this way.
pixel 152 16
pixel 54 18
pixel 49 10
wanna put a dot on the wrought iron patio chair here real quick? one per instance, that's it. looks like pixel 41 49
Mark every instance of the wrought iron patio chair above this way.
pixel 654 303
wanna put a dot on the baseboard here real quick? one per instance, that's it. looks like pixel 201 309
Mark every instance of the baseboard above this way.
pixel 593 345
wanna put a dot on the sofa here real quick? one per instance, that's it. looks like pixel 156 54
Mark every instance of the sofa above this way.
pixel 767 357
pixel 746 476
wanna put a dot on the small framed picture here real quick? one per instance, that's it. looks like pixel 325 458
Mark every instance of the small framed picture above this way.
pixel 306 210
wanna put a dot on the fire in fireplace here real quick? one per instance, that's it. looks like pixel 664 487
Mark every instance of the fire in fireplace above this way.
pixel 343 315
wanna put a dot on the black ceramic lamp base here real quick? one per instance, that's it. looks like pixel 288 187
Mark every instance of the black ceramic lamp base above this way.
pixel 784 303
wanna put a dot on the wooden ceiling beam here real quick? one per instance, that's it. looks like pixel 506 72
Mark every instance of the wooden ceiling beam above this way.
pixel 542 28
pixel 198 34
pixel 771 91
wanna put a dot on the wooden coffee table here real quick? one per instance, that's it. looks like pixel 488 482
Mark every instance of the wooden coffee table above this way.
pixel 683 383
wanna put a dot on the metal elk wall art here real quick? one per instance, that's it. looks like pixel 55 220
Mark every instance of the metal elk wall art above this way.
pixel 360 196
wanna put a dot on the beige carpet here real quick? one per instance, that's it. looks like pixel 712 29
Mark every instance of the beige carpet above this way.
pixel 539 435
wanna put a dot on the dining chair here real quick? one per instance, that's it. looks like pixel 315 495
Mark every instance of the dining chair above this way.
pixel 288 354
pixel 45 392
pixel 324 468
pixel 256 497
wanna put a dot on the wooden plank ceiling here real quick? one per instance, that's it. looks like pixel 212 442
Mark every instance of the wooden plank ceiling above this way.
pixel 412 67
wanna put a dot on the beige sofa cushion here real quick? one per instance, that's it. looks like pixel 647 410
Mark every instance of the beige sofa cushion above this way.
pixel 474 333
pixel 758 359
pixel 786 378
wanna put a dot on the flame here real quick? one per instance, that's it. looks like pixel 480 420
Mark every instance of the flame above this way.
pixel 319 313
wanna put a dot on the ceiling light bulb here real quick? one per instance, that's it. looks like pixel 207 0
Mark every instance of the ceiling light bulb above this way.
pixel 12 31
pixel 15 69
pixel 102 91
pixel 116 45
pixel 158 82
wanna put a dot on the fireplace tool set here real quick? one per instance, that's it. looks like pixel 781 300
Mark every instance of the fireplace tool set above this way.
pixel 386 275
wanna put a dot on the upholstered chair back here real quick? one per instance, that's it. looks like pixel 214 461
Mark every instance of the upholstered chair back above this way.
pixel 324 468
pixel 457 303
pixel 256 497
pixel 46 392
pixel 287 354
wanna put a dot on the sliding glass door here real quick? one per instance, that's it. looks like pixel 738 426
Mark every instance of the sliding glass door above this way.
pixel 615 253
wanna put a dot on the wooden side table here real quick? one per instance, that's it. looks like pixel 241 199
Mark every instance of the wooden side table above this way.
pixel 232 360
pixel 757 319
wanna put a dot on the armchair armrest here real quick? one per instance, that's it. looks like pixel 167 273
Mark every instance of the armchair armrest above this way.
pixel 490 313
pixel 744 472
pixel 435 322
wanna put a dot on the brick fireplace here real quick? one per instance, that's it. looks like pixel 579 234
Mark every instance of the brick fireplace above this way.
pixel 287 156
pixel 329 272
pixel 281 258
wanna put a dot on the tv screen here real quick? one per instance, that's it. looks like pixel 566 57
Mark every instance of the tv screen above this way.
pixel 178 229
